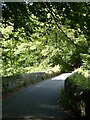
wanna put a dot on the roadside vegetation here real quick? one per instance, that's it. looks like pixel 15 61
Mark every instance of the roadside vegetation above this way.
pixel 81 80
pixel 75 96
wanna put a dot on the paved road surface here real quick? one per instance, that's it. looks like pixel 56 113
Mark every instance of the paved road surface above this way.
pixel 36 101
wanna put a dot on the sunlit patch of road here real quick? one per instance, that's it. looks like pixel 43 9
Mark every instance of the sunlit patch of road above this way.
pixel 62 76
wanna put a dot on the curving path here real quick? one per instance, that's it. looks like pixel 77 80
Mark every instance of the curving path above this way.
pixel 37 101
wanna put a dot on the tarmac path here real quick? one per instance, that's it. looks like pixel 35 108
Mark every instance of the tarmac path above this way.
pixel 37 101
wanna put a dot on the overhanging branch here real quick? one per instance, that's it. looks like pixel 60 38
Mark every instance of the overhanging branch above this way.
pixel 68 38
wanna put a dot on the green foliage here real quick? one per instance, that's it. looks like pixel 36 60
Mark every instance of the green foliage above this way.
pixel 76 95
pixel 38 36
pixel 81 80
pixel 86 61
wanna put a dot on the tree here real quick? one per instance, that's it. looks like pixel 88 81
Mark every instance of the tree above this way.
pixel 54 33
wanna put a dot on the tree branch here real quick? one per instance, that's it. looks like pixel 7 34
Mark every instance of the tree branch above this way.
pixel 68 39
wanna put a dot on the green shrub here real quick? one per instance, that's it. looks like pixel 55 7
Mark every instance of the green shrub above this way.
pixel 81 80
pixel 76 95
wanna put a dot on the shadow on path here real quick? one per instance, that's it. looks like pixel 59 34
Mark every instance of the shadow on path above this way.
pixel 37 101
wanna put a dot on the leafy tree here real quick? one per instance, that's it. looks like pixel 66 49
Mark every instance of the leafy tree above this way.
pixel 45 34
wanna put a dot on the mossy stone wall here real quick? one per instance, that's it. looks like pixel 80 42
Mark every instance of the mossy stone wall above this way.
pixel 12 83
pixel 78 98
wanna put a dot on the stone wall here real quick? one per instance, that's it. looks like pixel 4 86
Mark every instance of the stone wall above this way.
pixel 12 83
pixel 78 98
